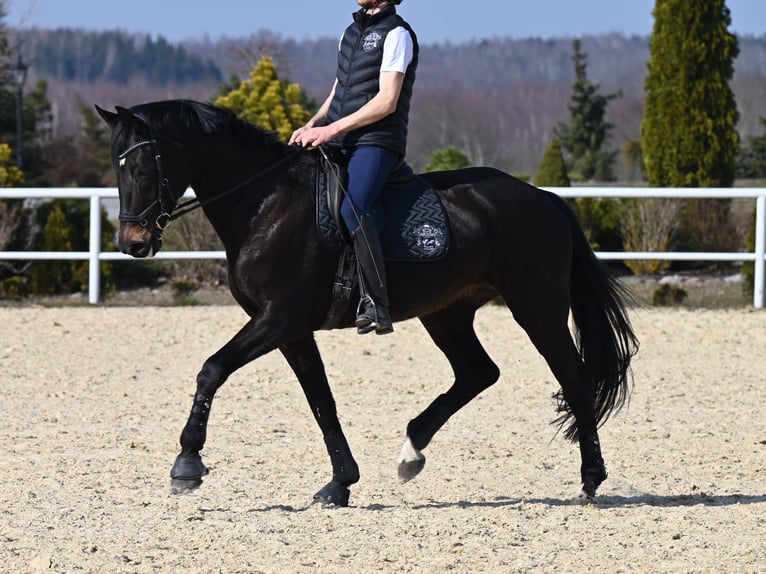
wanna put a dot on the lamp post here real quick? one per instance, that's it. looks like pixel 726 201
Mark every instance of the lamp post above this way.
pixel 19 72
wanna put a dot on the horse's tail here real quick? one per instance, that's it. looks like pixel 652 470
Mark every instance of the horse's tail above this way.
pixel 603 333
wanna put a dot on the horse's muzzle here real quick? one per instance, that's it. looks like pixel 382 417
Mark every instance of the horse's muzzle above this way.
pixel 137 241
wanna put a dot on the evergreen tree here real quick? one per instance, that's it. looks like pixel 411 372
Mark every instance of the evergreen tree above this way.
pixel 446 159
pixel 586 136
pixel 66 227
pixel 552 171
pixel 598 217
pixel 634 158
pixel 54 277
pixel 267 101
pixel 751 162
pixel 688 130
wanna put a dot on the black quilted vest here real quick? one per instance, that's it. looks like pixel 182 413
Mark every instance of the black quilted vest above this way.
pixel 359 60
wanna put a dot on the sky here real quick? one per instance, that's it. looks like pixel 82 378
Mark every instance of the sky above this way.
pixel 435 21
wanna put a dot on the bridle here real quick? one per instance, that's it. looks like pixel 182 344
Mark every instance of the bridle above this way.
pixel 163 190
pixel 158 226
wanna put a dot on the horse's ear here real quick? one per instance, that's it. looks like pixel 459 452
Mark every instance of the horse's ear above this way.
pixel 132 121
pixel 109 117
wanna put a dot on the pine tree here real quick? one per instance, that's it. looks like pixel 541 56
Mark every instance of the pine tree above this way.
pixel 688 131
pixel 586 136
pixel 267 101
pixel 552 171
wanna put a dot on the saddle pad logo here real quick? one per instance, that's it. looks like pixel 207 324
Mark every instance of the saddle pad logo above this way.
pixel 428 238
pixel 371 41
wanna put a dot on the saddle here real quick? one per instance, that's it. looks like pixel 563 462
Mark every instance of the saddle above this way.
pixel 409 211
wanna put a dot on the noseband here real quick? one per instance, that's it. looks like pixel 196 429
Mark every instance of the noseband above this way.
pixel 157 227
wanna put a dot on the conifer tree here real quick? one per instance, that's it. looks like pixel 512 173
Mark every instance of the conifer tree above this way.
pixel 586 136
pixel 751 162
pixel 552 171
pixel 688 130
pixel 267 101
pixel 52 277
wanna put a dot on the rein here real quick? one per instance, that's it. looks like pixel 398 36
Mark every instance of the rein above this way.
pixel 163 188
pixel 195 202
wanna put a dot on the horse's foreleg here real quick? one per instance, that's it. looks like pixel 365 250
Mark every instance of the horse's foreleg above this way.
pixel 188 470
pixel 303 357
pixel 452 331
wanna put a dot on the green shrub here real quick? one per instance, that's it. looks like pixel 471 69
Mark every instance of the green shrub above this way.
pixel 66 227
pixel 14 288
pixel 667 295
pixel 55 277
pixel 552 171
pixel 447 159
pixel 182 291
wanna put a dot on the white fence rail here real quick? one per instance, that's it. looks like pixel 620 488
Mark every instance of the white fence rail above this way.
pixel 95 195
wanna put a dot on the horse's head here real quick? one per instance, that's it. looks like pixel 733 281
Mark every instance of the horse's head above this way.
pixel 149 182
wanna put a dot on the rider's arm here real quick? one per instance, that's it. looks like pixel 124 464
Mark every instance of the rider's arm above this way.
pixel 380 106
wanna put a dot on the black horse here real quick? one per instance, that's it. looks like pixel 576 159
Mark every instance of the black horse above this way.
pixel 507 239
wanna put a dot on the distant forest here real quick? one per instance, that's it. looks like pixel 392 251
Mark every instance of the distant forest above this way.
pixel 498 100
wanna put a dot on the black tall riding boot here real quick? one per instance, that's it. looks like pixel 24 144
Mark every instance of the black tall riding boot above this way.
pixel 372 312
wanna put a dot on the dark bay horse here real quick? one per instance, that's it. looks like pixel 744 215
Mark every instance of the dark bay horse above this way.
pixel 507 239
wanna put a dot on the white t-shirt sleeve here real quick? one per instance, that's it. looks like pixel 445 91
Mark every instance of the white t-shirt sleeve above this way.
pixel 397 51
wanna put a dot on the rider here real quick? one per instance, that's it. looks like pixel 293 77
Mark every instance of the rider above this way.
pixel 366 116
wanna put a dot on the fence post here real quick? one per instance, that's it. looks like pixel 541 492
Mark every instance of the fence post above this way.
pixel 759 275
pixel 94 249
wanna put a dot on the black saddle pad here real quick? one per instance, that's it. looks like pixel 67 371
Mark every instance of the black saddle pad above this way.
pixel 409 211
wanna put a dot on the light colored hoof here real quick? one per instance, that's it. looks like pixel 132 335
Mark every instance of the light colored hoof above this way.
pixel 583 498
pixel 411 461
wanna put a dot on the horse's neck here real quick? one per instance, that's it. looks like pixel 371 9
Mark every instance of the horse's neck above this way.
pixel 232 188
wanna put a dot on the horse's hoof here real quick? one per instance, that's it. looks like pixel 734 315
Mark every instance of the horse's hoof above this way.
pixel 583 499
pixel 411 461
pixel 410 469
pixel 591 480
pixel 333 494
pixel 182 486
pixel 188 467
pixel 586 495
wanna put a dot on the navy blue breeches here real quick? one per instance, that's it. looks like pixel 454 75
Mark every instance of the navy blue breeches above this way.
pixel 368 169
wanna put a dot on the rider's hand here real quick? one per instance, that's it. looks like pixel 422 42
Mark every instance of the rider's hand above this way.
pixel 296 137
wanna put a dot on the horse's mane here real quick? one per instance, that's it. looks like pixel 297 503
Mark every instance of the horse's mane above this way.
pixel 171 116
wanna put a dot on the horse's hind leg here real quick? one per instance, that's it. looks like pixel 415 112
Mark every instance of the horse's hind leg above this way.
pixel 303 356
pixel 452 331
pixel 546 325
